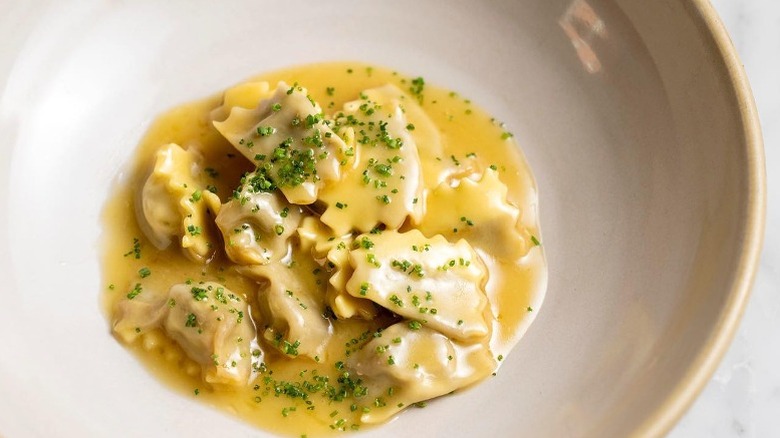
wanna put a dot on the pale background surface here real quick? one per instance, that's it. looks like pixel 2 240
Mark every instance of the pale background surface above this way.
pixel 743 398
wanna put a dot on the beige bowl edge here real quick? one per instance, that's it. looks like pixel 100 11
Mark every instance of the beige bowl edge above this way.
pixel 661 421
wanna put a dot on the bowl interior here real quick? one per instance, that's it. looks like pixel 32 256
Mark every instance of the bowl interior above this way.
pixel 626 113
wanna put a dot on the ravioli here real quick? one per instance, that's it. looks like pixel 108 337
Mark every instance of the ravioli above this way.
pixel 293 315
pixel 247 95
pixel 175 203
pixel 256 224
pixel 480 213
pixel 417 363
pixel 340 301
pixel 385 187
pixel 332 253
pixel 317 249
pixel 431 281
pixel 287 137
pixel 208 321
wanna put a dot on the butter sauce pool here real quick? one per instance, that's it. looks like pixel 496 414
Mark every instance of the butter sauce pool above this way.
pixel 299 396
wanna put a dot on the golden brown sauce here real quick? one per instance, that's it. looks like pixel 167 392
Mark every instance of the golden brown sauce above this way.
pixel 515 289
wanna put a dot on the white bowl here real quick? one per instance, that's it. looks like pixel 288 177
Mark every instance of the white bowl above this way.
pixel 635 116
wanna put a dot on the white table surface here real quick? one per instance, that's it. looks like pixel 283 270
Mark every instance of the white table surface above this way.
pixel 743 397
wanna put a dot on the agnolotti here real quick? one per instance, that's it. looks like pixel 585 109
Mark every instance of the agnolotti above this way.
pixel 208 321
pixel 385 187
pixel 321 258
pixel 288 137
pixel 257 222
pixel 431 281
pixel 175 203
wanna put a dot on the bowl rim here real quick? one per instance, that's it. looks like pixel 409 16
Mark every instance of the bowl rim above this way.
pixel 660 421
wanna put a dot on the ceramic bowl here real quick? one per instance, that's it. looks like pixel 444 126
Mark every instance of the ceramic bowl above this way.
pixel 635 116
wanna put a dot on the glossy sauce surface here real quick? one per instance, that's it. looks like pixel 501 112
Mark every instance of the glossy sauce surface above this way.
pixel 462 140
